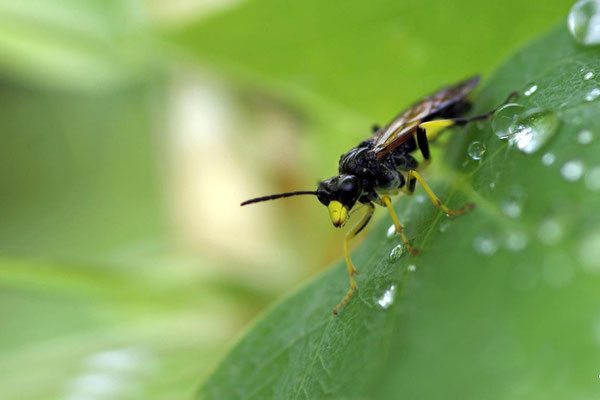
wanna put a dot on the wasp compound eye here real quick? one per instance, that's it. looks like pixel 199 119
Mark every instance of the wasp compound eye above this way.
pixel 349 189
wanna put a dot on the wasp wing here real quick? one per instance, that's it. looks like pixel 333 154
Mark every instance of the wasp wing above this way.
pixel 404 126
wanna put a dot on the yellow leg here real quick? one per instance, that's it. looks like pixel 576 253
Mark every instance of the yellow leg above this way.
pixel 351 270
pixel 399 229
pixel 435 127
pixel 423 164
pixel 434 199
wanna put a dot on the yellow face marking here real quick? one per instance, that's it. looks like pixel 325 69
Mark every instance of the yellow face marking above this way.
pixel 337 213
pixel 433 128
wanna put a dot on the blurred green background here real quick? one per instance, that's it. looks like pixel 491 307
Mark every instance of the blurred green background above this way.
pixel 130 132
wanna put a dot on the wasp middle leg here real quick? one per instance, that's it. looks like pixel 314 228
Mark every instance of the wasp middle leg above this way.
pixel 414 176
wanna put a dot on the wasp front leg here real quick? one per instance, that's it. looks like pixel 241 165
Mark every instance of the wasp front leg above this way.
pixel 351 270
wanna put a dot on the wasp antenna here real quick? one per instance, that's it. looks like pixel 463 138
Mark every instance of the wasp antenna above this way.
pixel 278 196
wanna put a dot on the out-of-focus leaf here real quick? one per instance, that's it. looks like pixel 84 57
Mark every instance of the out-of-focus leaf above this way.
pixel 77 174
pixel 73 44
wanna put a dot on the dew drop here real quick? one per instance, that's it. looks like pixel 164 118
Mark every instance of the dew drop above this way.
pixel 584 22
pixel 533 129
pixel 572 170
pixel 585 137
pixel 550 232
pixel 596 329
pixel 476 150
pixel 588 76
pixel 388 297
pixel 592 179
pixel 589 252
pixel 516 241
pixel 445 224
pixel 592 94
pixel 531 88
pixel 526 278
pixel 420 199
pixel 485 244
pixel 391 232
pixel 548 159
pixel 396 253
pixel 505 119
pixel 492 185
pixel 511 208
pixel 412 268
pixel 557 270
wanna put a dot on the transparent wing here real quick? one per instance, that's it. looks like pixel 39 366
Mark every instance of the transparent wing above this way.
pixel 401 128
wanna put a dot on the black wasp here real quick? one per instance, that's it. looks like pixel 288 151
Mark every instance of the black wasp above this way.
pixel 383 165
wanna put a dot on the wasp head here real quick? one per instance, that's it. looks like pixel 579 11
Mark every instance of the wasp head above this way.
pixel 339 194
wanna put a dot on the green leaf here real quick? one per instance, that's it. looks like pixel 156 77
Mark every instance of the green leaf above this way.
pixel 478 318
pixel 66 44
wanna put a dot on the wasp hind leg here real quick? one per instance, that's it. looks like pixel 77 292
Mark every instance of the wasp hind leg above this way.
pixel 430 130
pixel 351 270
pixel 399 228
pixel 414 176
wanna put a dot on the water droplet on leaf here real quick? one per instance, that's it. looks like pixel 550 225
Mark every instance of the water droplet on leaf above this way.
pixel 548 159
pixel 557 270
pixel 444 224
pixel 592 94
pixel 505 119
pixel 388 297
pixel 572 170
pixel 396 253
pixel 585 137
pixel 412 268
pixel 588 76
pixel 531 88
pixel 485 244
pixel 391 231
pixel 476 150
pixel 511 208
pixel 584 22
pixel 526 277
pixel 516 241
pixel 589 252
pixel 550 232
pixel 592 179
pixel 533 129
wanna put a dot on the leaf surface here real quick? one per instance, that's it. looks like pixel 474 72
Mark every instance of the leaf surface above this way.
pixel 503 302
